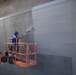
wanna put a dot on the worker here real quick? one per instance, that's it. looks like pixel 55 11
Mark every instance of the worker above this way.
pixel 15 40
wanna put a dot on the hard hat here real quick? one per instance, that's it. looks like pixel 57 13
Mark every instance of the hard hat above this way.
pixel 16 33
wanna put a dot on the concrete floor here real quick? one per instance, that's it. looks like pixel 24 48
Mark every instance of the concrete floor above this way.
pixel 47 65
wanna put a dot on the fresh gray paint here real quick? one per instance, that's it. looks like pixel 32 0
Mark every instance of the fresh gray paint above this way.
pixel 55 26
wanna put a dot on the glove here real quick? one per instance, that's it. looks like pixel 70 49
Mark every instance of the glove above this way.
pixel 24 34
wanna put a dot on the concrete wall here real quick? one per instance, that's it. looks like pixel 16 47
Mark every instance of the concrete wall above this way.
pixel 2 36
pixel 16 23
pixel 12 6
pixel 19 23
pixel 55 26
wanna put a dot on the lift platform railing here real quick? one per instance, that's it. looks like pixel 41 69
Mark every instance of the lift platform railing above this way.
pixel 28 62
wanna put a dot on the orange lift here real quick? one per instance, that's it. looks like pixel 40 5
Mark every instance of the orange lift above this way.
pixel 23 57
pixel 18 55
pixel 1 55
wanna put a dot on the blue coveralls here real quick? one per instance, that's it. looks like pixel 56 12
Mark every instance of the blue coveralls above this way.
pixel 15 41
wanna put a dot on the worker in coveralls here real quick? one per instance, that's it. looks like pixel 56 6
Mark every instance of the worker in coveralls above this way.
pixel 15 40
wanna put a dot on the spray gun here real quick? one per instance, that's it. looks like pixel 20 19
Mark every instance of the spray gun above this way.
pixel 29 29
